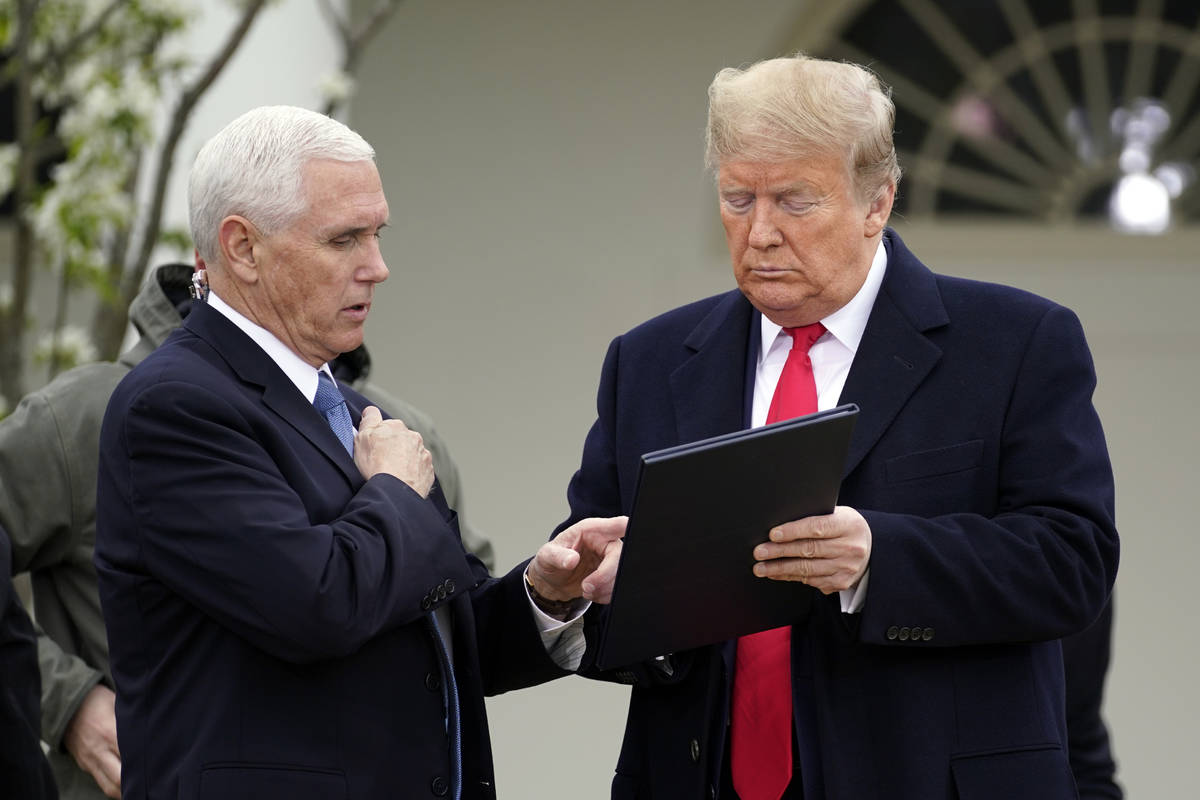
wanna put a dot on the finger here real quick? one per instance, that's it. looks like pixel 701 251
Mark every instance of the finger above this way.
pixel 804 570
pixel 553 558
pixel 371 417
pixel 603 528
pixel 107 773
pixel 598 586
pixel 819 527
pixel 801 548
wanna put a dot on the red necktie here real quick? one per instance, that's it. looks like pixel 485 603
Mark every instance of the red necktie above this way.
pixel 761 747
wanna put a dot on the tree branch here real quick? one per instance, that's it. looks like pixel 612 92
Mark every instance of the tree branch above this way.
pixel 166 156
pixel 366 32
pixel 339 22
pixel 55 56
pixel 355 41
pixel 13 319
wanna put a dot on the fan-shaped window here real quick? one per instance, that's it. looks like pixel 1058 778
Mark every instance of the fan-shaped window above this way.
pixel 1045 109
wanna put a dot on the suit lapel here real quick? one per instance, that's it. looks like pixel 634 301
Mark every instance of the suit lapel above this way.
pixel 254 367
pixel 707 389
pixel 895 355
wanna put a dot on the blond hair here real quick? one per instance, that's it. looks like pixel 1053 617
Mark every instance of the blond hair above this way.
pixel 798 107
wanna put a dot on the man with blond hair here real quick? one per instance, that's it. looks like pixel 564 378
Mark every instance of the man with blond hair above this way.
pixel 975 525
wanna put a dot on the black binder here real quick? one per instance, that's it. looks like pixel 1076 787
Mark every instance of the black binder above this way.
pixel 685 578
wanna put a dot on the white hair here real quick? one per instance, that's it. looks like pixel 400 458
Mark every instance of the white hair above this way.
pixel 253 168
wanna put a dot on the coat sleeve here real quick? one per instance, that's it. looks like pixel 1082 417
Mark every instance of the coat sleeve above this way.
pixel 39 507
pixel 443 464
pixel 1040 566
pixel 198 498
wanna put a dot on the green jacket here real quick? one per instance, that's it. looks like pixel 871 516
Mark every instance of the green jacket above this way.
pixel 48 464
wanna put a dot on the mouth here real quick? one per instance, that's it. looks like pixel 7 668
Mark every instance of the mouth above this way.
pixel 768 270
pixel 357 311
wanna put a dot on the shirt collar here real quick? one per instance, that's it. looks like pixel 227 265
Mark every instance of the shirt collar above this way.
pixel 848 322
pixel 299 371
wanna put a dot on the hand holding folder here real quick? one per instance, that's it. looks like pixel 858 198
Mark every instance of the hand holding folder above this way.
pixel 686 575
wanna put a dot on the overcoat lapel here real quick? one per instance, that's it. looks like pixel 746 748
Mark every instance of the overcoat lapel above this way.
pixel 708 388
pixel 895 355
pixel 253 366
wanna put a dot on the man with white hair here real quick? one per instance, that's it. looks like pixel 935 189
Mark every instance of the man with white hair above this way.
pixel 289 608
pixel 976 519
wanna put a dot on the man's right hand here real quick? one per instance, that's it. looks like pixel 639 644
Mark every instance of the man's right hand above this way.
pixel 387 445
pixel 91 737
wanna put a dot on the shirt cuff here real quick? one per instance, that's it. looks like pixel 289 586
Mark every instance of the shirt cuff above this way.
pixel 563 639
pixel 855 597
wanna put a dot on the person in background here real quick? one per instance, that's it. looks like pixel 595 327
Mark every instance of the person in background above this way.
pixel 975 528
pixel 1086 658
pixel 24 772
pixel 48 460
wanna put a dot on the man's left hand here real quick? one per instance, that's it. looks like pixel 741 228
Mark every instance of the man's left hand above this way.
pixel 580 561
pixel 828 552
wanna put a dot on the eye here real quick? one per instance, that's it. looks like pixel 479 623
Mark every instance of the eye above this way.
pixel 796 205
pixel 737 202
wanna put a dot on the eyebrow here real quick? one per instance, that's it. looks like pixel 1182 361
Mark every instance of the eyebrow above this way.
pixel 337 234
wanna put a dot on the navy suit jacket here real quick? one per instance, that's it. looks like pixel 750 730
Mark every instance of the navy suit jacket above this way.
pixel 979 463
pixel 267 608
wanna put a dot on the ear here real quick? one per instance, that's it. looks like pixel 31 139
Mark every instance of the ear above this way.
pixel 238 238
pixel 879 210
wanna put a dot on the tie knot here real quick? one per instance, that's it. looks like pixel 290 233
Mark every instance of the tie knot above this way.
pixel 328 395
pixel 804 337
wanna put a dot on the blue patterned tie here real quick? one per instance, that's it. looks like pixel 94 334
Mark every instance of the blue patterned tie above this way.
pixel 332 405
pixel 450 700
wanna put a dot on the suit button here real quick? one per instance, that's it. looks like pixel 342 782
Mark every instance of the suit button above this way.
pixel 450 586
pixel 694 746
pixel 904 634
pixel 927 634
pixel 439 786
pixel 426 602
pixel 432 682
pixel 893 632
pixel 441 592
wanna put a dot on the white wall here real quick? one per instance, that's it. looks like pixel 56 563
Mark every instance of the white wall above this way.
pixel 543 165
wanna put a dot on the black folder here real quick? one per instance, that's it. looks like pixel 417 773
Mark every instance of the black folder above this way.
pixel 685 578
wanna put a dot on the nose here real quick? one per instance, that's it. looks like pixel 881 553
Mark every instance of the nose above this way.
pixel 764 232
pixel 374 269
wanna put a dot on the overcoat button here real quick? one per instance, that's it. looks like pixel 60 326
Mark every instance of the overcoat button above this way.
pixel 694 746
pixel 426 603
pixel 904 634
pixel 432 682
pixel 893 632
pixel 439 786
pixel 927 634
pixel 451 586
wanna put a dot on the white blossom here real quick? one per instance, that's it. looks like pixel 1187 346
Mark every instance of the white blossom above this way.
pixel 74 347
pixel 336 87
